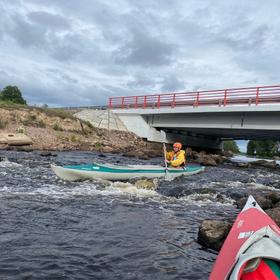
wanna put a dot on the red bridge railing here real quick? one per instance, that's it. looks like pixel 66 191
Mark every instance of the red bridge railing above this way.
pixel 224 97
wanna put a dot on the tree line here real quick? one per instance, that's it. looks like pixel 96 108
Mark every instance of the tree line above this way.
pixel 263 148
pixel 12 94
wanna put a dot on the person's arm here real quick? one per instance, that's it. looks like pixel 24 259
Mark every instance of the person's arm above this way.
pixel 168 155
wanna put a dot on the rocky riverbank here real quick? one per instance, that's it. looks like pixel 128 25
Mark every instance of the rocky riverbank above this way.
pixel 58 130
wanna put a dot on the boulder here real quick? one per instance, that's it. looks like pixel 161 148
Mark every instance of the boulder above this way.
pixel 145 157
pixel 145 184
pixel 47 154
pixel 274 213
pixel 227 153
pixel 106 149
pixel 15 139
pixel 206 160
pixel 212 233
pixel 19 148
pixel 129 154
pixel 218 158
pixel 274 197
pixel 243 164
pixel 268 164
pixel 276 205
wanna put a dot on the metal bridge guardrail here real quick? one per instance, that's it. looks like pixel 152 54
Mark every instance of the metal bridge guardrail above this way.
pixel 224 97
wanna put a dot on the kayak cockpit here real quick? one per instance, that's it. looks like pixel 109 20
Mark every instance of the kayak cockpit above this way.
pixel 261 268
pixel 258 257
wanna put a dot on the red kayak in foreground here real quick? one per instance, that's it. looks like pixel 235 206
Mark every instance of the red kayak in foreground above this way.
pixel 252 248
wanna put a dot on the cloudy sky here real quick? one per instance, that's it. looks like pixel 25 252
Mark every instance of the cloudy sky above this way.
pixel 70 52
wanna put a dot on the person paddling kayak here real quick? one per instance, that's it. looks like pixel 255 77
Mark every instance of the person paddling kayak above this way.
pixel 176 158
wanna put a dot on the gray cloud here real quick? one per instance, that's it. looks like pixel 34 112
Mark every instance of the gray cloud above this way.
pixel 51 21
pixel 75 52
pixel 28 35
pixel 172 83
pixel 145 50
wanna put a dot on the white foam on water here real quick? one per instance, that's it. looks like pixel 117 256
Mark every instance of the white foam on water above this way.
pixel 205 199
pixel 259 186
pixel 235 184
pixel 81 189
pixel 7 163
pixel 242 158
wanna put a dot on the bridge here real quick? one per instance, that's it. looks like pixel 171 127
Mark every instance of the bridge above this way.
pixel 203 118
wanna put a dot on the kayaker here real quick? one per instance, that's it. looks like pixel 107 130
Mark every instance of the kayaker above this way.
pixel 176 158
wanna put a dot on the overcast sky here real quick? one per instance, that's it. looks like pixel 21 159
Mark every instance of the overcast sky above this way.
pixel 70 52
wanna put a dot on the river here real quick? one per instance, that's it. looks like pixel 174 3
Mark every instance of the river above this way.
pixel 51 229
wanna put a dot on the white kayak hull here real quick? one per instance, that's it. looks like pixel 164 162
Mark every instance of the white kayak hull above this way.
pixel 120 173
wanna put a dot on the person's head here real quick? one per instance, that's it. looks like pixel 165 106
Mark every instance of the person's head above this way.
pixel 177 146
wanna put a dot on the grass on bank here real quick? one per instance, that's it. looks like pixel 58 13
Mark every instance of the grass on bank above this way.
pixel 63 114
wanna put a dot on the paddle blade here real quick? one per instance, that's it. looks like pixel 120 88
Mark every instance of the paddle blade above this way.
pixel 163 136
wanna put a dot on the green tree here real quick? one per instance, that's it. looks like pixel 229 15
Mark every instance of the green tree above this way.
pixel 266 148
pixel 251 148
pixel 230 145
pixel 263 148
pixel 13 94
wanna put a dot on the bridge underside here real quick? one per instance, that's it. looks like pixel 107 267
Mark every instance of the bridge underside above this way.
pixel 215 127
pixel 225 134
pixel 205 130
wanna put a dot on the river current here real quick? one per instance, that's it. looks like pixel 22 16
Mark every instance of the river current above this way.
pixel 52 229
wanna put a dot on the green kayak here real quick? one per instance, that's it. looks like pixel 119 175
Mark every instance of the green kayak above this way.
pixel 120 172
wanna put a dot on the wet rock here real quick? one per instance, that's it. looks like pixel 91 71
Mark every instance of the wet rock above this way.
pixel 243 164
pixel 15 139
pixel 206 191
pixel 218 158
pixel 174 191
pixel 129 154
pixel 46 154
pixel 154 153
pixel 265 163
pixel 274 197
pixel 19 148
pixel 235 195
pixel 145 157
pixel 227 153
pixel 212 233
pixel 274 214
pixel 276 205
pixel 145 184
pixel 102 155
pixel 189 154
pixel 107 149
pixel 264 202
pixel 206 160
pixel 241 202
pixel 195 155
pixel 220 198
